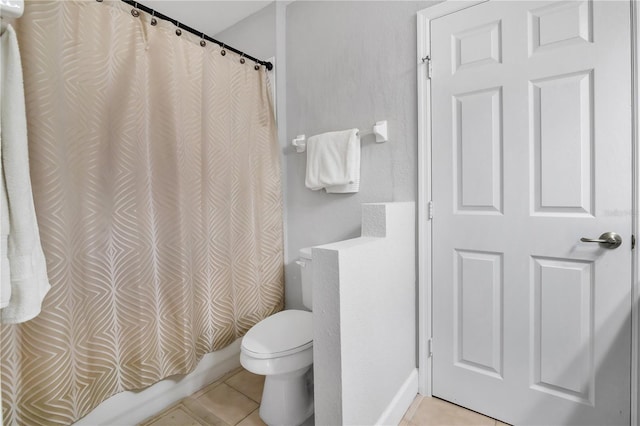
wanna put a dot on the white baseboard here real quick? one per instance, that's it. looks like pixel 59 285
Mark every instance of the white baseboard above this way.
pixel 131 407
pixel 400 403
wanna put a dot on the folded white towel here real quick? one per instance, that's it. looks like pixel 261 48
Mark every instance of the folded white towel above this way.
pixel 24 256
pixel 333 162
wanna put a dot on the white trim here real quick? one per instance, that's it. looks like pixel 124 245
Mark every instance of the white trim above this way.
pixel 273 86
pixel 392 415
pixel 635 288
pixel 425 17
pixel 133 407
pixel 281 111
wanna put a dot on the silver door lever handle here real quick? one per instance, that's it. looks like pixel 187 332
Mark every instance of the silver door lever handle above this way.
pixel 608 240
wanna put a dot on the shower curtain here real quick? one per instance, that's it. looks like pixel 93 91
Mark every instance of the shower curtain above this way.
pixel 156 180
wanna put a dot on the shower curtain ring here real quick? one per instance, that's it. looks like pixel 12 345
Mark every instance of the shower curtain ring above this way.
pixel 223 52
pixel 241 58
pixel 135 11
pixel 256 66
pixel 154 21
pixel 202 42
pixel 178 31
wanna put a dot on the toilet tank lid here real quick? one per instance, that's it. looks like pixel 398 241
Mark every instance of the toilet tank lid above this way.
pixel 281 333
pixel 305 253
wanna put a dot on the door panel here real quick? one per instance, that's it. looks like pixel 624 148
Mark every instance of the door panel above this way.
pixel 561 120
pixel 531 150
pixel 477 134
pixel 478 312
pixel 563 332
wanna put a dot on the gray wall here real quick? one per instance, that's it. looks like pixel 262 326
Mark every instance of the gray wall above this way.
pixel 348 64
pixel 254 35
pixel 340 64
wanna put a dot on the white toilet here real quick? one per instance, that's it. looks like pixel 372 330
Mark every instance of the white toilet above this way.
pixel 281 348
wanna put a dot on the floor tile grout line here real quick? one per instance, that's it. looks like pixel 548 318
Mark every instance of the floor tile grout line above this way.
pixel 238 390
pixel 250 413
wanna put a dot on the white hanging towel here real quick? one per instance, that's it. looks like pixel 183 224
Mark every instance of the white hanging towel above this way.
pixel 333 162
pixel 24 269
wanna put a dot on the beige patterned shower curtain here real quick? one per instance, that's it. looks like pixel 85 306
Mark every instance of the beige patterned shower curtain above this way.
pixel 156 181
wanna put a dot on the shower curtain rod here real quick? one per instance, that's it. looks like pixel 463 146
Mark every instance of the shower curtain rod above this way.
pixel 150 11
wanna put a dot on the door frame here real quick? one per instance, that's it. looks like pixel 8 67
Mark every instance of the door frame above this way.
pixel 425 284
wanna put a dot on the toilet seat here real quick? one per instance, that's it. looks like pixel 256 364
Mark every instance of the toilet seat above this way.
pixel 285 333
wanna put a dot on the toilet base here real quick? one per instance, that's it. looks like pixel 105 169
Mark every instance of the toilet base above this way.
pixel 287 399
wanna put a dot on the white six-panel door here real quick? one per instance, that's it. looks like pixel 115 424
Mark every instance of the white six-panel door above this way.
pixel 531 150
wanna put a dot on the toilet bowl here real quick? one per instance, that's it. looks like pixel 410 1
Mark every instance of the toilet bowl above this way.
pixel 280 347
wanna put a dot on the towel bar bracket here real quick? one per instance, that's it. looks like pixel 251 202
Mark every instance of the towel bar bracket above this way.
pixel 300 142
pixel 381 131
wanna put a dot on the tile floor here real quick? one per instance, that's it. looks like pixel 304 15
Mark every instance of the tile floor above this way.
pixel 235 400
pixel 427 411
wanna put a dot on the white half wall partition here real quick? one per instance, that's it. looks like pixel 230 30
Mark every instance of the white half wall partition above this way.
pixel 364 296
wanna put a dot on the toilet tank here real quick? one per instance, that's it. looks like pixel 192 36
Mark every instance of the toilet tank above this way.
pixel 307 276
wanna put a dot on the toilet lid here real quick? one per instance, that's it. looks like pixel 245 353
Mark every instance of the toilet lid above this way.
pixel 281 334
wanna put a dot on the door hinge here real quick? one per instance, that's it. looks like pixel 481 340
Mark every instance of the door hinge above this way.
pixel 430 348
pixel 430 210
pixel 427 61
pixel 633 241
